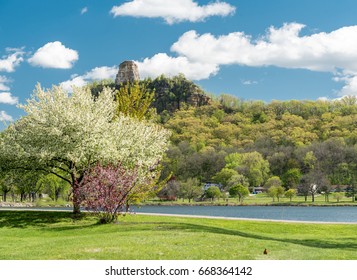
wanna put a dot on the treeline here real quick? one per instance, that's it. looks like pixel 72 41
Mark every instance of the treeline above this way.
pixel 30 186
pixel 307 146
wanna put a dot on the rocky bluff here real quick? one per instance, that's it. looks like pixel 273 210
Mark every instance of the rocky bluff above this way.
pixel 170 93
pixel 128 72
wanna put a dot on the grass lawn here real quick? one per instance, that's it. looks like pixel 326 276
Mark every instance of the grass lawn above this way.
pixel 54 235
pixel 264 199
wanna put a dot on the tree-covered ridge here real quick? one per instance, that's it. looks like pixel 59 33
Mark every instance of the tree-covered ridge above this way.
pixel 284 123
pixel 305 144
pixel 169 93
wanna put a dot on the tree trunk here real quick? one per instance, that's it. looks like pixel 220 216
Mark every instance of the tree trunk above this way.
pixel 57 194
pixel 76 200
pixel 76 208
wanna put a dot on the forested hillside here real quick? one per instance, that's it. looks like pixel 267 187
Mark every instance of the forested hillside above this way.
pixel 304 145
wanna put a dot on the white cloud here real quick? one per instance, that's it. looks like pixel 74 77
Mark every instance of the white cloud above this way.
pixel 249 82
pixel 84 10
pixel 10 62
pixel 350 87
pixel 98 73
pixel 163 64
pixel 3 82
pixel 334 52
pixel 101 73
pixel 5 117
pixel 173 11
pixel 282 47
pixel 7 98
pixel 54 55
pixel 4 87
pixel 74 82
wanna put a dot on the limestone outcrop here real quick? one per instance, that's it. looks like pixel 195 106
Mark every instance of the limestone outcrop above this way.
pixel 128 72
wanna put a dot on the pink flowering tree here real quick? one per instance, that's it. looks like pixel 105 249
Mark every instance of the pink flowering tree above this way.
pixel 105 189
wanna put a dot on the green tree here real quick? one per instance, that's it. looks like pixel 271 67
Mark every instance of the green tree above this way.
pixel 291 178
pixel 26 184
pixel 7 184
pixel 238 179
pixel 274 187
pixel 239 191
pixel 190 189
pixel 273 182
pixel 134 100
pixel 276 191
pixel 310 160
pixel 213 193
pixel 338 196
pixel 252 165
pixel 66 133
pixel 290 193
pixel 224 176
pixel 53 186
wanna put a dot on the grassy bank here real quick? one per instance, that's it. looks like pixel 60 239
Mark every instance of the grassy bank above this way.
pixel 262 199
pixel 259 199
pixel 53 235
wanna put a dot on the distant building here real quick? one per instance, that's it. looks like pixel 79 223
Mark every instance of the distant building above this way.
pixel 257 190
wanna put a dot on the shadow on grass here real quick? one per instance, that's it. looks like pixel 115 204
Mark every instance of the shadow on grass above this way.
pixel 23 219
pixel 19 219
pixel 342 243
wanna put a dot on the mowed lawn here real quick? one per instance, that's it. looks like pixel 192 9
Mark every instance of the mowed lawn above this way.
pixel 55 235
pixel 264 199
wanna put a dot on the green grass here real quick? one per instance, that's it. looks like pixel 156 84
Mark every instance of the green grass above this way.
pixel 54 235
pixel 264 199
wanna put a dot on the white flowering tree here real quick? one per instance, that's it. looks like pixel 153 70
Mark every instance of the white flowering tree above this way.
pixel 66 134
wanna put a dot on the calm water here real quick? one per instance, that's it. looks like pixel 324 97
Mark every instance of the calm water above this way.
pixel 313 214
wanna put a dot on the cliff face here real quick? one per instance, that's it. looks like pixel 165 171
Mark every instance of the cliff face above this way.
pixel 128 72
pixel 170 93
pixel 198 99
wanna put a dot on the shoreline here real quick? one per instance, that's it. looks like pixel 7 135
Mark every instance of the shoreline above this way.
pixel 309 204
pixel 352 204
pixel 243 219
pixel 33 209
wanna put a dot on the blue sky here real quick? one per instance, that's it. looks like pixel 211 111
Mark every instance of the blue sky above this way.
pixel 256 49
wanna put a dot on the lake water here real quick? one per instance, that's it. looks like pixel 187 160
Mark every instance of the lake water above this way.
pixel 293 213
